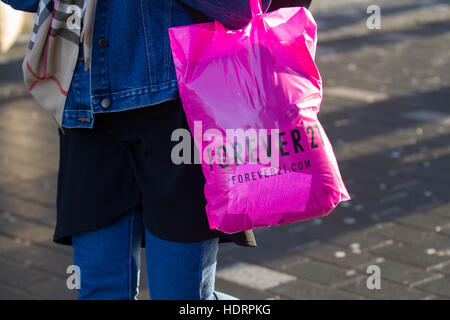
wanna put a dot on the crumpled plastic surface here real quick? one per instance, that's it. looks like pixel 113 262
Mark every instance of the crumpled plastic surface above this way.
pixel 262 76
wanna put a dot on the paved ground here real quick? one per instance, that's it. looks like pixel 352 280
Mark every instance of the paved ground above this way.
pixel 386 112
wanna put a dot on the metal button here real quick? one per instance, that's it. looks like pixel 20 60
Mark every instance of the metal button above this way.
pixel 106 103
pixel 103 43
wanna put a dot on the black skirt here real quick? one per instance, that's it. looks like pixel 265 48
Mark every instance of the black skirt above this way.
pixel 124 164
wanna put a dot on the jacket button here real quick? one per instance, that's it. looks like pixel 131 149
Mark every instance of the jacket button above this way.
pixel 103 43
pixel 105 103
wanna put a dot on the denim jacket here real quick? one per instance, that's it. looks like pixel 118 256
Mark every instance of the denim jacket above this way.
pixel 131 62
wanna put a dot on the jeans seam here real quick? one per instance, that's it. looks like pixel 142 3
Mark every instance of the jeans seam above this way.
pixel 147 42
pixel 130 253
pixel 168 51
pixel 200 270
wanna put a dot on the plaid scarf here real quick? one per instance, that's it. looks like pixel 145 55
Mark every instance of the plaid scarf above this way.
pixel 53 50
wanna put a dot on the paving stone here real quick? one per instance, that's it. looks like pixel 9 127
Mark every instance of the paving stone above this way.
pixel 27 209
pixel 33 256
pixel 30 142
pixel 271 258
pixel 17 276
pixel 253 276
pixel 326 228
pixel 388 291
pixel 426 221
pixel 401 273
pixel 411 256
pixel 22 171
pixel 414 236
pixel 6 179
pixel 26 230
pixel 323 273
pixel 242 292
pixel 22 157
pixel 433 176
pixel 443 210
pixel 35 191
pixel 9 245
pixel 303 290
pixel 337 256
pixel 430 192
pixel 443 268
pixel 53 288
pixel 445 232
pixel 440 287
pixel 285 237
pixel 8 293
pixel 360 241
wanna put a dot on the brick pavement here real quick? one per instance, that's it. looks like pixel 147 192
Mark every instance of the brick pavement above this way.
pixel 385 111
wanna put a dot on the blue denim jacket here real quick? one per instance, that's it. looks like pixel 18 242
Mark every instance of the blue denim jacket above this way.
pixel 131 64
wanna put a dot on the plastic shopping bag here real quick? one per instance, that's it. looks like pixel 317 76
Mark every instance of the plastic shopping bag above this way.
pixel 251 97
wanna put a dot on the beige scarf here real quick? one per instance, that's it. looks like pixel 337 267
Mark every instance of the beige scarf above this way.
pixel 53 51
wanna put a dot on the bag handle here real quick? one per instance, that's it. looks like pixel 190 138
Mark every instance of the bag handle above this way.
pixel 255 7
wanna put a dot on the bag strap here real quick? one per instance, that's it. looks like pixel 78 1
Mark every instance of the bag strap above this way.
pixel 255 7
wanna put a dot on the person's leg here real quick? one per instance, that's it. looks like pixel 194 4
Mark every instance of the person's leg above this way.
pixel 182 270
pixel 109 260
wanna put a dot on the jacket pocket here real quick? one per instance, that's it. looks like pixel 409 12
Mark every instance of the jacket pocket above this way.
pixel 78 96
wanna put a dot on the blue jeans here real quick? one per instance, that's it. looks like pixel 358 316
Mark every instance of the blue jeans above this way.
pixel 109 261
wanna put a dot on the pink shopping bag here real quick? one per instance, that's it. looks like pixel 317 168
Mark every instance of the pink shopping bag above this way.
pixel 251 97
